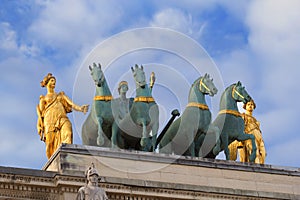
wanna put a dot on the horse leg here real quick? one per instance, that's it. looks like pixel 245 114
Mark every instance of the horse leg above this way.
pixel 167 149
pixel 192 149
pixel 191 139
pixel 154 119
pixel 114 135
pixel 89 131
pixel 165 145
pixel 100 138
pixel 216 132
pixel 224 138
pixel 145 140
pixel 154 128
pixel 243 137
pixel 84 132
pixel 198 144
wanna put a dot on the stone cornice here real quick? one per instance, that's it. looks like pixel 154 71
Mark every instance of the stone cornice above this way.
pixel 179 178
pixel 174 159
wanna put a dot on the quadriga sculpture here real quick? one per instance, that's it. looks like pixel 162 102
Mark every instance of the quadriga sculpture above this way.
pixel 143 117
pixel 183 136
pixel 229 123
pixel 96 130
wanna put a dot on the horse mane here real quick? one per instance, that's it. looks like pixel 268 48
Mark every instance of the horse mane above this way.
pixel 226 92
pixel 229 87
pixel 195 83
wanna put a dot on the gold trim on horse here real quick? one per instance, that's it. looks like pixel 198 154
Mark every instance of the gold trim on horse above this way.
pixel 232 112
pixel 199 105
pixel 103 98
pixel 144 99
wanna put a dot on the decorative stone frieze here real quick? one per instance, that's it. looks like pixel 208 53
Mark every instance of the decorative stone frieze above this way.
pixel 136 175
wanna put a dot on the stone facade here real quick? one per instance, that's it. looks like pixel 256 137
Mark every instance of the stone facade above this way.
pixel 148 176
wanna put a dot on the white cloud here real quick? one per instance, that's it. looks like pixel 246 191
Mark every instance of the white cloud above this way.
pixel 274 37
pixel 279 125
pixel 173 19
pixel 69 26
pixel 10 45
pixel 8 36
pixel 179 20
pixel 274 24
pixel 284 152
pixel 237 65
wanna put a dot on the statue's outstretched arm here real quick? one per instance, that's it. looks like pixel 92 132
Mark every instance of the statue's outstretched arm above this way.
pixel 83 108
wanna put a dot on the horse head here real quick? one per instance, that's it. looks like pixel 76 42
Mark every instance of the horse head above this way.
pixel 207 86
pixel 139 76
pixel 97 74
pixel 239 93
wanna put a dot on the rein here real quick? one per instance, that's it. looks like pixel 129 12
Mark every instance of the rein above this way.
pixel 202 84
pixel 198 105
pixel 236 92
pixel 144 99
pixel 232 112
pixel 103 98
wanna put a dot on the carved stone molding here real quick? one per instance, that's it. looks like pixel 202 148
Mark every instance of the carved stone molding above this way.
pixel 184 178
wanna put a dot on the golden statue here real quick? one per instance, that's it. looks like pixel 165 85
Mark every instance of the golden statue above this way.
pixel 252 126
pixel 53 125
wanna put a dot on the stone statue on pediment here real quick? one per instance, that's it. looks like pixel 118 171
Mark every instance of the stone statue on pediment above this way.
pixel 91 191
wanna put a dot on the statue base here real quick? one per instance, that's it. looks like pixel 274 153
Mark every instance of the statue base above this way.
pixel 146 175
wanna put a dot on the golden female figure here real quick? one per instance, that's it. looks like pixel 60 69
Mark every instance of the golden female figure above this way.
pixel 252 126
pixel 53 125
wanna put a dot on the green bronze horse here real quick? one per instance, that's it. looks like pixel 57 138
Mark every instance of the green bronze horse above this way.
pixel 97 128
pixel 143 117
pixel 229 122
pixel 183 136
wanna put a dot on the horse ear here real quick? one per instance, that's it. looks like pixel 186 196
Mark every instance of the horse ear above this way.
pixel 142 68
pixel 90 67
pixel 239 83
pixel 99 65
pixel 205 75
pixel 132 69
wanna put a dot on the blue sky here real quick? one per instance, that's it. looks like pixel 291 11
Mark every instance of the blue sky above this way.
pixel 256 42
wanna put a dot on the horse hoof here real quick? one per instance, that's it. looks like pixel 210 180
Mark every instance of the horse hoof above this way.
pixel 145 144
pixel 114 146
pixel 252 159
pixel 100 141
pixel 216 151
